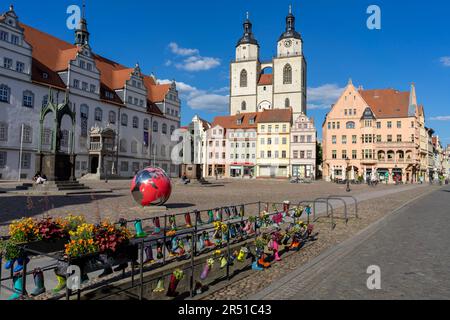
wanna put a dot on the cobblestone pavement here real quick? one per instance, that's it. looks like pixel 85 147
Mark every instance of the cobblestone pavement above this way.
pixel 371 211
pixel 119 204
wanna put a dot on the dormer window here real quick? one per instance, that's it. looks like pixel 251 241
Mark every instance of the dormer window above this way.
pixel 89 67
pixel 82 64
pixel 4 36
pixel 45 76
pixel 14 39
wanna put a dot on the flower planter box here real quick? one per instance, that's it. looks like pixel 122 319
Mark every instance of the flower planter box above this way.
pixel 45 246
pixel 97 261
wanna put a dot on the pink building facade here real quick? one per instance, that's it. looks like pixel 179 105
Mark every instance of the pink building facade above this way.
pixel 373 134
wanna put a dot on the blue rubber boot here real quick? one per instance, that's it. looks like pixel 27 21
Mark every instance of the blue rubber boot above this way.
pixel 10 264
pixel 18 282
pixel 256 266
pixel 20 264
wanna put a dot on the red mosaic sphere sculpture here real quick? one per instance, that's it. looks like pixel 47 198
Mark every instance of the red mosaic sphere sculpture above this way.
pixel 151 187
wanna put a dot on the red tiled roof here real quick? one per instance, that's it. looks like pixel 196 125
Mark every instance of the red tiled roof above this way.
pixel 276 115
pixel 230 122
pixel 52 55
pixel 387 103
pixel 265 80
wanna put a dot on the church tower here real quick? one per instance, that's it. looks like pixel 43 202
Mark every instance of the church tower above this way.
pixel 82 33
pixel 290 69
pixel 245 72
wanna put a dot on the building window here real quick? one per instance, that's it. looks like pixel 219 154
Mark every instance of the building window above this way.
pixel 14 39
pixel 344 139
pixel 76 83
pixel 333 139
pixel 378 125
pixel 287 103
pixel 354 155
pixel 4 36
pixel 284 140
pixel 399 138
pixel 82 64
pixel 20 66
pixel 309 154
pixel 124 166
pixel 7 63
pixel 98 114
pixel 262 155
pixel 283 154
pixel 334 154
pixel 134 147
pixel 47 137
pixel 4 93
pixel 84 86
pixel 243 106
pixel 354 139
pixel 3 131
pixel 243 79
pixel 26 161
pixel 350 125
pixel 27 134
pixel 344 154
pixel 92 88
pixel 3 159
pixel 287 74
pixel 84 115
pixel 123 145
pixel 389 124
pixel 172 130
pixel 28 99
pixel 135 122
pixel 124 120
pixel 164 128
pixel 389 138
pixel 155 126
pixel 269 154
pixel 112 117
pixel 45 101
pixel 399 124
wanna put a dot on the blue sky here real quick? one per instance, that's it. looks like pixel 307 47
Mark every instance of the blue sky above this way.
pixel 194 41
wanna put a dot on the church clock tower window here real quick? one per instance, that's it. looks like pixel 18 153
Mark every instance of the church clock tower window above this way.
pixel 287 74
pixel 243 106
pixel 243 79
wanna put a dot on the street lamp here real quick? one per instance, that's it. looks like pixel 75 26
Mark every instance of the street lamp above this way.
pixel 347 160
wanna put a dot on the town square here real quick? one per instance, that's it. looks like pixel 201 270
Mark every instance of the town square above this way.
pixel 229 153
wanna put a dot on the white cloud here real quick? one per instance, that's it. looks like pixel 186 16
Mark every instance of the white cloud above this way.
pixel 445 61
pixel 175 48
pixel 324 96
pixel 192 60
pixel 198 99
pixel 440 118
pixel 209 102
pixel 198 63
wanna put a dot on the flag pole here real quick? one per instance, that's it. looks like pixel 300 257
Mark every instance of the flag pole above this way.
pixel 21 152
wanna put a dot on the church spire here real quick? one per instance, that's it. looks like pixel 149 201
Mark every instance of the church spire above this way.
pixel 248 37
pixel 82 33
pixel 290 27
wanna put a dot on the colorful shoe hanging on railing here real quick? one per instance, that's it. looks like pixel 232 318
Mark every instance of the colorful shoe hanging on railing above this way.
pixel 187 220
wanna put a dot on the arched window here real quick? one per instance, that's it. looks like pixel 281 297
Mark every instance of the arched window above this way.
pixel 350 125
pixel 4 93
pixel 164 128
pixel 287 74
pixel 28 99
pixel 84 111
pixel 172 130
pixel 243 106
pixel 124 120
pixel 123 145
pixel 47 136
pixel 3 131
pixel 27 134
pixel 98 114
pixel 134 147
pixel 243 79
pixel 155 126
pixel 287 103
pixel 146 124
pixel 135 122
pixel 112 117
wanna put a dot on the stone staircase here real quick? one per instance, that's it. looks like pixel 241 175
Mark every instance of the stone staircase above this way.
pixel 66 187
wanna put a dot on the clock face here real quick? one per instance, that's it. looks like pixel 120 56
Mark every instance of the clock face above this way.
pixel 288 43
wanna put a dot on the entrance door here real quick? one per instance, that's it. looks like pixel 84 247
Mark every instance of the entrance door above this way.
pixel 94 164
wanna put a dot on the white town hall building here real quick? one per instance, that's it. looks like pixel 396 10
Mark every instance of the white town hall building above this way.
pixel 114 119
